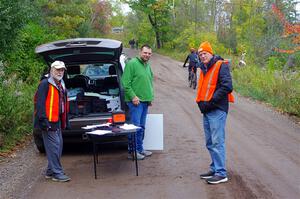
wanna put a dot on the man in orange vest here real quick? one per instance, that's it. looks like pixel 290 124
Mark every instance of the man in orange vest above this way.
pixel 51 107
pixel 213 95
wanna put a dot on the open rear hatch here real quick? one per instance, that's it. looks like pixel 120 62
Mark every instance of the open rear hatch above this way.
pixel 92 76
pixel 80 50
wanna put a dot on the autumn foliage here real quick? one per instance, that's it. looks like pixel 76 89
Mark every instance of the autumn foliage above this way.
pixel 290 30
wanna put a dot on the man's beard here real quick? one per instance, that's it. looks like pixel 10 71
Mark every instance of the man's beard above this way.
pixel 144 60
pixel 57 78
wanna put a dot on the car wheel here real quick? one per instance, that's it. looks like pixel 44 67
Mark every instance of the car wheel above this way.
pixel 39 144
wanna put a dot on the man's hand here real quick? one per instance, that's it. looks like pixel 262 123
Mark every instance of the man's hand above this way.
pixel 44 125
pixel 205 107
pixel 136 101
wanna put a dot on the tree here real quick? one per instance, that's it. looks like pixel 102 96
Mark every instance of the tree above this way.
pixel 158 13
pixel 13 16
pixel 74 18
pixel 101 14
pixel 290 31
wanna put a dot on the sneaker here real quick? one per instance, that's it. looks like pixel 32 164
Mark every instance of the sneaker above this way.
pixel 48 176
pixel 61 178
pixel 207 175
pixel 138 156
pixel 146 153
pixel 216 179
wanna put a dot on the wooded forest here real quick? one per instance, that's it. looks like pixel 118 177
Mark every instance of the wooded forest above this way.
pixel 266 32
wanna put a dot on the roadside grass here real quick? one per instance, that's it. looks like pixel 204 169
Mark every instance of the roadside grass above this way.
pixel 278 88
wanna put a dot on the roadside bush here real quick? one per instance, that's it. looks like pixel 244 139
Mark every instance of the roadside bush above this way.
pixel 15 109
pixel 274 63
pixel 23 61
pixel 188 39
pixel 281 89
pixel 19 76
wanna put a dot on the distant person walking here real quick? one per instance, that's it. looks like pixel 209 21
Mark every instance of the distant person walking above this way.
pixel 137 81
pixel 132 43
pixel 51 117
pixel 193 61
pixel 214 93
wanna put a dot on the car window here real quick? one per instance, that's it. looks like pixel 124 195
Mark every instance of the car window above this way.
pixel 96 70
pixel 93 71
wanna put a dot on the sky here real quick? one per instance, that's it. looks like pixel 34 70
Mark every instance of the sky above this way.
pixel 125 8
pixel 298 10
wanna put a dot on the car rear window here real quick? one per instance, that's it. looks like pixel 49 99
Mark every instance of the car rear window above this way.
pixel 93 71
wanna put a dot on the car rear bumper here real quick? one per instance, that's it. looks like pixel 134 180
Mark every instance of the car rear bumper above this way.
pixel 69 136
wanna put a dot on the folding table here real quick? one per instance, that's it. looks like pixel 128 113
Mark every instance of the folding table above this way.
pixel 115 132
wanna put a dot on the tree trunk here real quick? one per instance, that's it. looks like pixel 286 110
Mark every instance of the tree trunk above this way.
pixel 157 34
pixel 158 41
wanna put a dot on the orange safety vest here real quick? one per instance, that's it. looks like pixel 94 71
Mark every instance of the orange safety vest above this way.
pixel 52 104
pixel 207 84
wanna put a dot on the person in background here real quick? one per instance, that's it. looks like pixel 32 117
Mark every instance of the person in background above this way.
pixel 51 116
pixel 213 97
pixel 137 81
pixel 132 43
pixel 193 60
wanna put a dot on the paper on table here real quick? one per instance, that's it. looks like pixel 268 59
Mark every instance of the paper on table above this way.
pixel 95 126
pixel 99 132
pixel 129 127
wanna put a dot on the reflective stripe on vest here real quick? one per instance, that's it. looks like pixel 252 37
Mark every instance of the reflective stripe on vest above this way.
pixel 52 104
pixel 207 84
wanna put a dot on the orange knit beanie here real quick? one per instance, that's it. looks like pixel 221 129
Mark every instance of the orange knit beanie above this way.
pixel 205 46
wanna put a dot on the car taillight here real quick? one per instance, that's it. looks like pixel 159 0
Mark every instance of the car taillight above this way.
pixel 118 117
pixel 109 120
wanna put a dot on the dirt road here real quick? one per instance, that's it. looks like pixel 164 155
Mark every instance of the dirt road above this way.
pixel 263 155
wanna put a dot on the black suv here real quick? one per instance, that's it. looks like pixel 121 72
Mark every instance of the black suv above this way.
pixel 93 80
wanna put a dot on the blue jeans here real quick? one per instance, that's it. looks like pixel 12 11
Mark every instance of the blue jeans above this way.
pixel 214 129
pixel 53 143
pixel 138 116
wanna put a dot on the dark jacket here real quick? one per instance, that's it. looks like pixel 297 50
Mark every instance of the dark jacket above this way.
pixel 193 60
pixel 40 118
pixel 223 88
